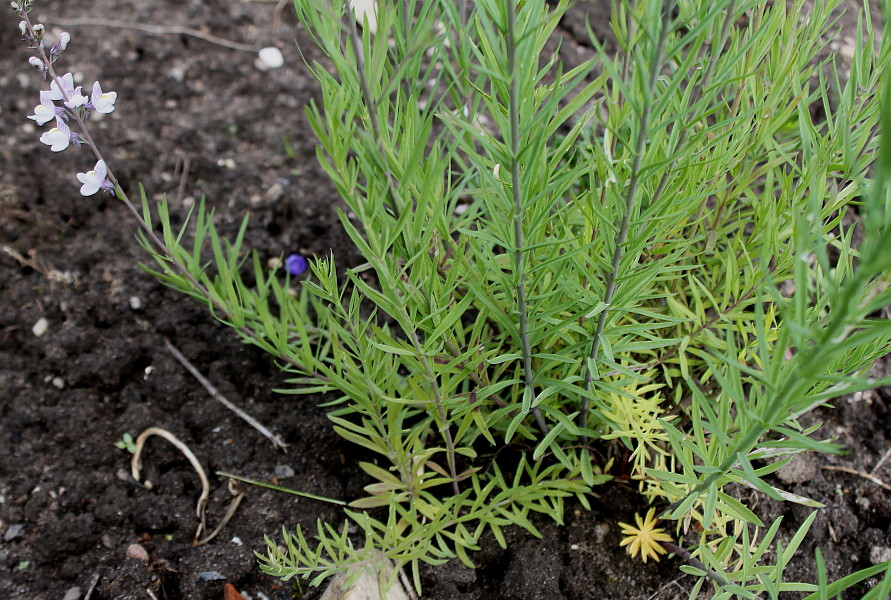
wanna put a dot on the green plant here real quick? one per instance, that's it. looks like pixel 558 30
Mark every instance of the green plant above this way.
pixel 126 443
pixel 649 257
pixel 650 248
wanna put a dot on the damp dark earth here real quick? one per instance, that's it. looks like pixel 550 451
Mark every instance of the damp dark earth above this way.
pixel 84 359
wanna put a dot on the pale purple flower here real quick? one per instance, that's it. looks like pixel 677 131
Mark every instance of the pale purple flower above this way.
pixel 296 264
pixel 94 180
pixel 56 93
pixel 58 137
pixel 45 111
pixel 103 103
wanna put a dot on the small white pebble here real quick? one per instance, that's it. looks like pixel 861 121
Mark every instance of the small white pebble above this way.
pixel 40 327
pixel 237 541
pixel 271 57
pixel 137 551
pixel 229 163
pixel 59 383
pixel 148 371
pixel 135 302
pixel 72 594
pixel 460 209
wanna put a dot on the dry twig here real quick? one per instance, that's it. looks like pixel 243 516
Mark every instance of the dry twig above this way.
pixel 216 395
pixel 866 476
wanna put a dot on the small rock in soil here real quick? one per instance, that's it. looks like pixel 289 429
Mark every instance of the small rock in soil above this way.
pixel 879 554
pixel 283 471
pixel 270 58
pixel 366 586
pixel 72 594
pixel 211 576
pixel 800 469
pixel 40 327
pixel 137 551
pixel 13 532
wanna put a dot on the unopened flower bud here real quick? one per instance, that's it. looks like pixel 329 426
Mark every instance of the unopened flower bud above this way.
pixel 15 6
pixel 39 30
pixel 23 27
pixel 37 63
pixel 61 44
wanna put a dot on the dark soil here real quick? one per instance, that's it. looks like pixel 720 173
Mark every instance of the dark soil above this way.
pixel 197 119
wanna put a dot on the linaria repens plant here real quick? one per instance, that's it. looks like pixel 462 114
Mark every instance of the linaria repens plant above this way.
pixel 649 256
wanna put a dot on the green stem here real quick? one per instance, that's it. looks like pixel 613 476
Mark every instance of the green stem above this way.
pixel 356 41
pixel 630 198
pixel 516 184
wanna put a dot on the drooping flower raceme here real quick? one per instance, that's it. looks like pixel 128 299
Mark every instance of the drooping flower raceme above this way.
pixel 95 180
pixel 75 107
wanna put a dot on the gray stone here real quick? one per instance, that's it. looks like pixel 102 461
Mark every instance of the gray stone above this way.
pixel 72 594
pixel 13 532
pixel 800 469
pixel 283 471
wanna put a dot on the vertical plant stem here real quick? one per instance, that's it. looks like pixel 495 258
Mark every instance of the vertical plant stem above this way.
pixel 445 429
pixel 630 198
pixel 516 185
pixel 371 105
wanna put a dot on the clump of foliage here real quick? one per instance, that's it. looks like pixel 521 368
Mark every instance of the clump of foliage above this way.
pixel 669 254
pixel 655 248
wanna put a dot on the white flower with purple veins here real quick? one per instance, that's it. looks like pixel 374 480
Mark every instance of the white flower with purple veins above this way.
pixel 102 103
pixel 55 92
pixel 94 180
pixel 45 111
pixel 76 99
pixel 58 137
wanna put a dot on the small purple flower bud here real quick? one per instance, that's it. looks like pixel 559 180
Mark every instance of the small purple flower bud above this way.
pixel 296 264
pixel 61 44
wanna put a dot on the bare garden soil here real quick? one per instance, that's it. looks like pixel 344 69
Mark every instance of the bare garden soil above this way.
pixel 196 118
